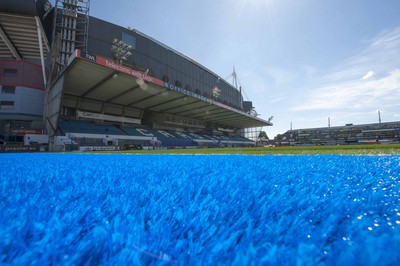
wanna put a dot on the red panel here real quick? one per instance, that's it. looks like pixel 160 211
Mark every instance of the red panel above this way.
pixel 28 74
pixel 112 65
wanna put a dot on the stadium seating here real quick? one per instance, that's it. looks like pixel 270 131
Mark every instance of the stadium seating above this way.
pixel 166 138
pixel 82 126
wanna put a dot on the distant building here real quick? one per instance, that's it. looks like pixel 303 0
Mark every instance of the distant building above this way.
pixel 341 135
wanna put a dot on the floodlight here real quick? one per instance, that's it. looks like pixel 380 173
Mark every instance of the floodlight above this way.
pixel 121 50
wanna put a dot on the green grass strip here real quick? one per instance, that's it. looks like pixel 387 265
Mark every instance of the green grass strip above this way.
pixel 340 149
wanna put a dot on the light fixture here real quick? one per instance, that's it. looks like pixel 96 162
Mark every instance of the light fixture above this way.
pixel 121 50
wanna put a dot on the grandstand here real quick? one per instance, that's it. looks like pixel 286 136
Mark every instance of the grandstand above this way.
pixel 108 87
pixel 349 134
pixel 85 133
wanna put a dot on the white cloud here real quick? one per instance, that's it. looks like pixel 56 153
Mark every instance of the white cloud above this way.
pixel 301 95
pixel 357 94
pixel 370 74
pixel 343 89
pixel 379 54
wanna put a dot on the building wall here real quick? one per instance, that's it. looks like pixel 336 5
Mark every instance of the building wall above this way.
pixel 163 62
pixel 21 73
pixel 22 89
pixel 26 101
pixel 21 97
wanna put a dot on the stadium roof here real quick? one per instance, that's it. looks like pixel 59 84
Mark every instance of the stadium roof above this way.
pixel 21 30
pixel 93 77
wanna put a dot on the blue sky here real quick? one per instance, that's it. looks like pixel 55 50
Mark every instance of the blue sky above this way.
pixel 299 61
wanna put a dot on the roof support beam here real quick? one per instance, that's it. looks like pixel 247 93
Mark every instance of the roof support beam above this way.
pixel 39 32
pixel 180 106
pixel 123 93
pixel 98 84
pixel 176 99
pixel 195 110
pixel 9 44
pixel 44 37
pixel 208 114
pixel 148 97
pixel 223 117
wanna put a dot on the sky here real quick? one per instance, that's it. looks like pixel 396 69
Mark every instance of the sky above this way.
pixel 301 62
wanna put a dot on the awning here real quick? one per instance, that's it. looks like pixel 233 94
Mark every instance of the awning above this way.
pixel 94 77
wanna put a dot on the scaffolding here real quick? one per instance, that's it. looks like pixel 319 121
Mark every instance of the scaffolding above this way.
pixel 71 29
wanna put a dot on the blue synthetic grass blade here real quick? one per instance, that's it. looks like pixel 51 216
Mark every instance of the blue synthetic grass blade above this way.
pixel 74 209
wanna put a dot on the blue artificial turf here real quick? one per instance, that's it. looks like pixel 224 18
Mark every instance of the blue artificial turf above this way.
pixel 80 209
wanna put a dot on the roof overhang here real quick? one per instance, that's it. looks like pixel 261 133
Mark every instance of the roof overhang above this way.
pixel 22 35
pixel 94 77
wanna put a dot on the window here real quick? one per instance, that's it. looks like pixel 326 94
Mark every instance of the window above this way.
pixel 6 105
pixel 8 89
pixel 129 39
pixel 67 111
pixel 9 73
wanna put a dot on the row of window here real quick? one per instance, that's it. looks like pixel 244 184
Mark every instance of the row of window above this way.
pixel 6 104
pixel 10 72
pixel 8 89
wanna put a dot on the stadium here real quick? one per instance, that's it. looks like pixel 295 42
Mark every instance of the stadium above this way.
pixel 70 81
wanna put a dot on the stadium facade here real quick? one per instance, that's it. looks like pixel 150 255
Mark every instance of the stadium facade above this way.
pixel 90 84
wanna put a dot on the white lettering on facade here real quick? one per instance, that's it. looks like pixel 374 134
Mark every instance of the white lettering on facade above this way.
pixel 118 67
pixel 129 71
pixel 144 132
pixel 201 97
pixel 168 135
pixel 91 57
pixel 182 135
pixel 196 136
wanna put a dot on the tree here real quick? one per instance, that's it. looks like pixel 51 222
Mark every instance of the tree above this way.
pixel 263 135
